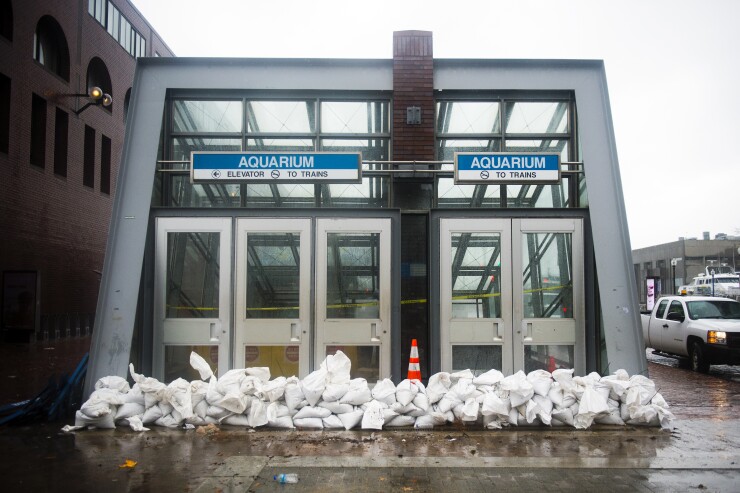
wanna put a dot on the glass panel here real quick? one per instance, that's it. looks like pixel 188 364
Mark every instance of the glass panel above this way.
pixel 281 117
pixel 355 117
pixel 371 149
pixel 559 146
pixel 469 196
pixel 468 117
pixel 548 358
pixel 281 145
pixel 207 116
pixel 478 359
pixel 177 361
pixel 536 117
pixel 476 275
pixel 281 360
pixel 353 275
pixel 183 146
pixel 280 195
pixel 547 275
pixel 549 196
pixel 192 275
pixel 365 361
pixel 446 148
pixel 372 192
pixel 186 194
pixel 273 277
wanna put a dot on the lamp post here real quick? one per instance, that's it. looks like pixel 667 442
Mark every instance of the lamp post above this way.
pixel 674 262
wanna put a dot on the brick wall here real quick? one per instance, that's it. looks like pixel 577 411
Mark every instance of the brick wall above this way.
pixel 413 78
pixel 51 224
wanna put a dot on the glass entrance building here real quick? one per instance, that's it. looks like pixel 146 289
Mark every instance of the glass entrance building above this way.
pixel 278 259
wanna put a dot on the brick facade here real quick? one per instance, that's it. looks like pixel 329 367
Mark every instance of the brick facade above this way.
pixel 49 223
pixel 413 78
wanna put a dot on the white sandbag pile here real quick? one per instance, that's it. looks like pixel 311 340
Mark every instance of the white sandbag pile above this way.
pixel 329 398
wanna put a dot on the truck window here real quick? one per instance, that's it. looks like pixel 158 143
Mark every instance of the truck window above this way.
pixel 676 307
pixel 660 312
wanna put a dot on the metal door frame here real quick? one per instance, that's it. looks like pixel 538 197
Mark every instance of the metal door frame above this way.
pixel 591 331
pixel 299 330
pixel 219 327
pixel 380 330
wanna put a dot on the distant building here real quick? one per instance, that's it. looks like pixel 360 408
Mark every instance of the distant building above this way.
pixel 59 153
pixel 692 256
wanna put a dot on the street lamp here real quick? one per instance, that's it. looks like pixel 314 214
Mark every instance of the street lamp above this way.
pixel 674 262
pixel 96 97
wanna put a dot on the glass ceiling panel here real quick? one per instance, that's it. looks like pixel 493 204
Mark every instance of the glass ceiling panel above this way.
pixel 207 116
pixel 371 149
pixel 281 145
pixel 468 117
pixel 535 117
pixel 355 117
pixel 447 148
pixel 559 146
pixel 281 116
pixel 183 146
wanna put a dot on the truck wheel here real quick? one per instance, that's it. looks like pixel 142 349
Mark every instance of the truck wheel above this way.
pixel 699 361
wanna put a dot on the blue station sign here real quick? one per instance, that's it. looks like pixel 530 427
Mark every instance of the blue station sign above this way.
pixel 505 167
pixel 271 167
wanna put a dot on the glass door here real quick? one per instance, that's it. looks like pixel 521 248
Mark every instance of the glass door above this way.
pixel 476 295
pixel 549 329
pixel 273 274
pixel 191 295
pixel 353 293
pixel 511 294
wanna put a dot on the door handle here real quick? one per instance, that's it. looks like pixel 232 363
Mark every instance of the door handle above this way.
pixel 374 332
pixel 294 333
pixel 665 326
pixel 528 331
pixel 214 331
pixel 497 328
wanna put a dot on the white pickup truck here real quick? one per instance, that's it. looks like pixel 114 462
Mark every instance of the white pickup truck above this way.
pixel 704 329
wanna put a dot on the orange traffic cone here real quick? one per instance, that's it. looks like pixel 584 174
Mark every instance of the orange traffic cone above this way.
pixel 414 369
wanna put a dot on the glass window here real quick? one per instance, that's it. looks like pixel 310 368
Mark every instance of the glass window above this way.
pixel 105 164
pixel 468 117
pixel 371 192
pixel 177 361
pixel 182 193
pixel 547 275
pixel 557 146
pixel 192 275
pixel 479 359
pixel 38 131
pixel 114 17
pixel 281 117
pixel 365 360
pixel 447 148
pixel 281 145
pixel 548 196
pixel 660 312
pixel 536 117
pixel 183 146
pixel 273 275
pixel 88 160
pixel 50 47
pixel 371 149
pixel 4 113
pixel 280 195
pixel 451 195
pixel 354 117
pixel 353 275
pixel 61 131
pixel 6 20
pixel 548 357
pixel 283 361
pixel 207 116
pixel 476 275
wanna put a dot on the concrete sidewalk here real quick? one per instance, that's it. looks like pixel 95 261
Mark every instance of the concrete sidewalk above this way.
pixel 700 454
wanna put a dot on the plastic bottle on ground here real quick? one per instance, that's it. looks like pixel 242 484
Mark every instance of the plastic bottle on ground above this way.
pixel 286 478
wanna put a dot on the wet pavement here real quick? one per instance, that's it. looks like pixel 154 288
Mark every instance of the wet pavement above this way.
pixel 701 453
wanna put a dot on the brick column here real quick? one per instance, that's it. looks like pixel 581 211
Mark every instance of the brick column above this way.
pixel 413 86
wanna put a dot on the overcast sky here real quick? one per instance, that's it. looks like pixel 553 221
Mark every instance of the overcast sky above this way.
pixel 672 68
